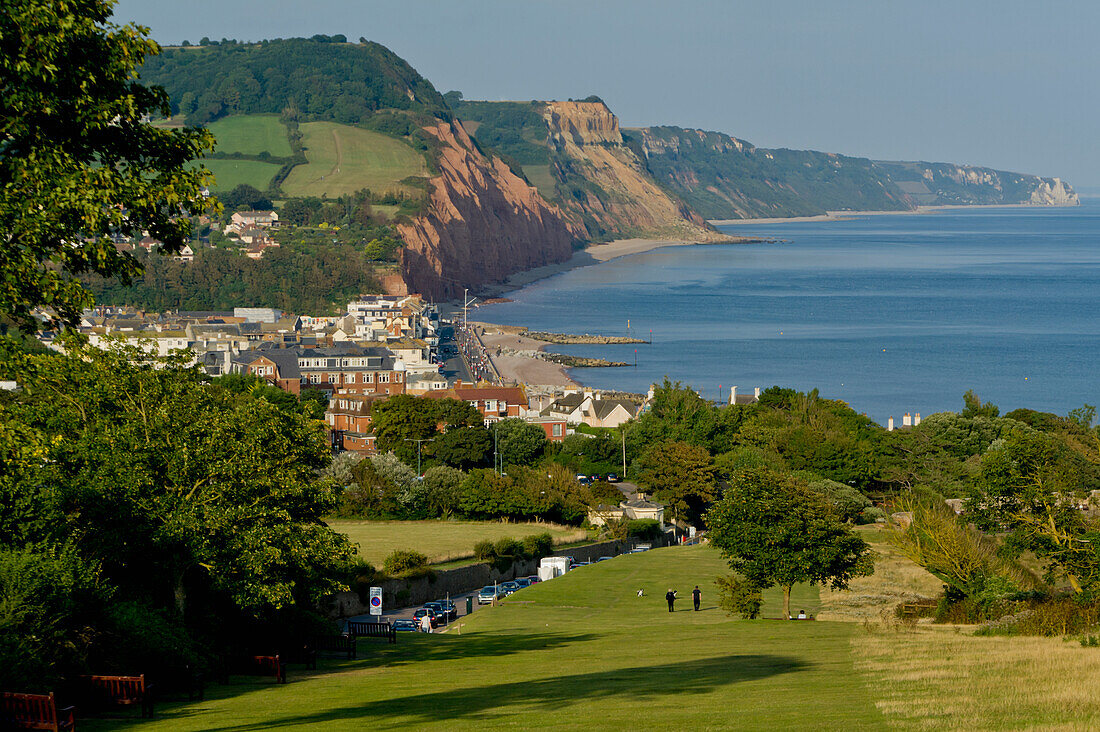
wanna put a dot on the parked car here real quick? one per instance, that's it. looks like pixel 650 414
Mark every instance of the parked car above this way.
pixel 612 478
pixel 437 620
pixel 583 479
pixel 508 587
pixel 441 611
pixel 405 624
pixel 582 564
pixel 488 593
pixel 449 606
pixel 534 579
pixel 523 582
pixel 604 559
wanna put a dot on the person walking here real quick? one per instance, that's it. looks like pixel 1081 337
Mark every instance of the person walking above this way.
pixel 671 597
pixel 696 595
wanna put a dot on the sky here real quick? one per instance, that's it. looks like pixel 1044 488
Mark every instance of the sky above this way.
pixel 1007 84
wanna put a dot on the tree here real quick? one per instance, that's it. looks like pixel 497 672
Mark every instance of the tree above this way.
pixel 519 442
pixel 774 530
pixel 975 408
pixel 245 197
pixel 681 475
pixel 463 447
pixel 400 419
pixel 1029 487
pixel 79 163
pixel 176 489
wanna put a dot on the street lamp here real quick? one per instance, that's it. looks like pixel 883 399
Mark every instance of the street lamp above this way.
pixel 418 444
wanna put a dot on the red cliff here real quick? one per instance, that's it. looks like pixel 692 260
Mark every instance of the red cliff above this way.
pixel 482 223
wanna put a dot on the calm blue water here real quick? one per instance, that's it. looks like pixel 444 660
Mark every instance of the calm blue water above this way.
pixel 889 313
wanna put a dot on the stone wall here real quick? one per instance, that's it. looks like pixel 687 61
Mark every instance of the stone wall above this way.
pixel 399 593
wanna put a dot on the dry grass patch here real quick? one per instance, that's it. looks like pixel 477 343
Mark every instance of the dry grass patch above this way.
pixel 897 579
pixel 943 678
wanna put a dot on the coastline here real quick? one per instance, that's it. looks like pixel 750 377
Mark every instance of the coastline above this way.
pixel 509 348
pixel 849 215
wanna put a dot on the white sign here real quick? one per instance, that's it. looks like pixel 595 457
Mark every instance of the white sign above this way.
pixel 376 601
pixel 691 531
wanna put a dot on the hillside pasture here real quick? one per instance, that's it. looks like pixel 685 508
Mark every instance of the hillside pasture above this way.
pixel 228 174
pixel 441 541
pixel 343 160
pixel 251 134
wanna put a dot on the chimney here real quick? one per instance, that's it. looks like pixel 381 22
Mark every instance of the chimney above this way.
pixel 916 419
pixel 907 420
pixel 733 395
pixel 890 425
pixel 757 393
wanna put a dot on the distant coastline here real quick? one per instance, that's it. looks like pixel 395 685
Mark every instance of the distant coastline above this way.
pixel 848 215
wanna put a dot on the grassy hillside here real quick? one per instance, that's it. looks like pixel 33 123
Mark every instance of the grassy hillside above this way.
pixel 251 135
pixel 229 174
pixel 345 159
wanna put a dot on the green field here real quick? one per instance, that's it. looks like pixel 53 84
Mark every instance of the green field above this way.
pixel 229 174
pixel 251 134
pixel 345 159
pixel 580 652
pixel 440 540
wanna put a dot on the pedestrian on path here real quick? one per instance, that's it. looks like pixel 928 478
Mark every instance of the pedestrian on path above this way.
pixel 426 623
pixel 696 595
pixel 671 597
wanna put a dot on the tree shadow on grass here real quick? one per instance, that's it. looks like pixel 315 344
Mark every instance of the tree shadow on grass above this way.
pixel 417 648
pixel 492 701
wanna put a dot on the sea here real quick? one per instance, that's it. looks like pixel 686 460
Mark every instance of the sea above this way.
pixel 892 314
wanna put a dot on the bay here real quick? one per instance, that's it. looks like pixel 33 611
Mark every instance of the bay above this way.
pixel 890 313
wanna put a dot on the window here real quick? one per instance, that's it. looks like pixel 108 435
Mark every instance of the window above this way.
pixel 351 378
pixel 557 430
pixel 490 405
pixel 383 378
pixel 332 378
pixel 315 378
pixel 368 377
pixel 397 378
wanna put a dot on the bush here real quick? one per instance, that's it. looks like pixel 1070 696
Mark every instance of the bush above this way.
pixel 538 546
pixel 139 637
pixel 643 528
pixel 871 515
pixel 405 562
pixel 737 597
pixel 508 547
pixel 484 551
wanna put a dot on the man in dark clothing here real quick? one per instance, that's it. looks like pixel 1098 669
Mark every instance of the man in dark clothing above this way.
pixel 696 595
pixel 671 597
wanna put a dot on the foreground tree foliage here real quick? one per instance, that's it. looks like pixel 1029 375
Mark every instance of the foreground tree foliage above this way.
pixel 78 163
pixel 176 497
pixel 775 530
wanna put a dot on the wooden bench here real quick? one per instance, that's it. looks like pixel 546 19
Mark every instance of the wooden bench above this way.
pixel 267 666
pixel 119 691
pixel 341 644
pixel 34 711
pixel 360 629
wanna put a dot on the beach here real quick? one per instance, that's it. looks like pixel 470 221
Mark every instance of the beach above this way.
pixel 516 361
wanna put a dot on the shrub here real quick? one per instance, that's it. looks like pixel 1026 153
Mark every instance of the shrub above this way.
pixel 405 562
pixel 643 528
pixel 484 551
pixel 738 597
pixel 508 547
pixel 538 545
pixel 870 515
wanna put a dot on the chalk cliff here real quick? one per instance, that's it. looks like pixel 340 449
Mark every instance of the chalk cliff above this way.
pixel 481 223
pixel 937 184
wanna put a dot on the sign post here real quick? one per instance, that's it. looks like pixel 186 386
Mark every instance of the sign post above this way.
pixel 376 601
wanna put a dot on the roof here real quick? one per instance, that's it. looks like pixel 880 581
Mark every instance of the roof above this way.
pixel 510 394
pixel 568 402
pixel 604 407
pixel 642 503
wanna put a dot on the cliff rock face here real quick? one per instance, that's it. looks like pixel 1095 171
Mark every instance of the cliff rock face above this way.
pixel 482 223
pixel 722 177
pixel 605 186
pixel 934 184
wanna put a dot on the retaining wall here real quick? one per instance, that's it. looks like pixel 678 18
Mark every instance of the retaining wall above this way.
pixel 399 593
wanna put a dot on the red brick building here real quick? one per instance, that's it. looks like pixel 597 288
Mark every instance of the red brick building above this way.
pixel 494 402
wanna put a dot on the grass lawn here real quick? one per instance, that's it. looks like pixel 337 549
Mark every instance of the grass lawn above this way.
pixel 251 134
pixel 442 541
pixel 344 159
pixel 580 652
pixel 228 174
pixel 542 179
